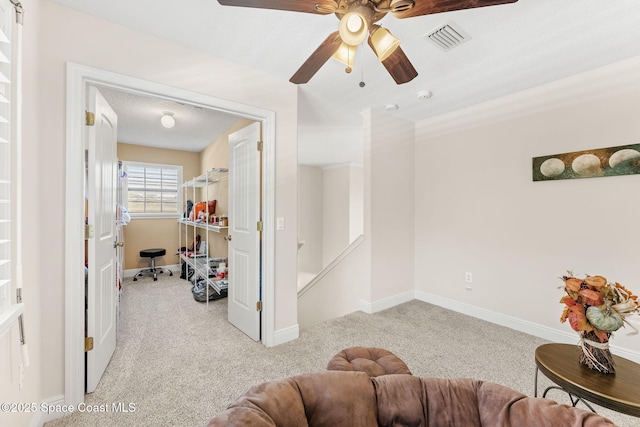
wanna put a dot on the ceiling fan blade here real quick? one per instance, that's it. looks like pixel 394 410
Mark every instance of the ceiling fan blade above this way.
pixel 317 59
pixel 321 7
pixel 399 66
pixel 427 7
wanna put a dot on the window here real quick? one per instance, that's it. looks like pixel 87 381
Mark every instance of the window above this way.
pixel 9 149
pixel 152 190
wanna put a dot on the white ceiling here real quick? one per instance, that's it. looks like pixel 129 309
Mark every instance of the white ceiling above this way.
pixel 139 121
pixel 513 47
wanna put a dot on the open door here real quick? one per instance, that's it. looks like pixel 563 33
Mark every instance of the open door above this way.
pixel 244 236
pixel 102 291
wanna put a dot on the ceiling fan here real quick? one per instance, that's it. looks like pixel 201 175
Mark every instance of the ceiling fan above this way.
pixel 358 22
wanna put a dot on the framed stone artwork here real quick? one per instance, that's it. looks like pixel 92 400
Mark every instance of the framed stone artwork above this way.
pixel 612 161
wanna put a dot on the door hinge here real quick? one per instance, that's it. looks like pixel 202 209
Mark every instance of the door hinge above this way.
pixel 259 226
pixel 259 146
pixel 88 231
pixel 259 306
pixel 88 344
pixel 90 118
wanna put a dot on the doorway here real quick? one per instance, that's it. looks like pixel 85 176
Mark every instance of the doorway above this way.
pixel 79 78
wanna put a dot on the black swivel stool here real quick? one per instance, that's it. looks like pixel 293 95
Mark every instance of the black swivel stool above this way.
pixel 153 271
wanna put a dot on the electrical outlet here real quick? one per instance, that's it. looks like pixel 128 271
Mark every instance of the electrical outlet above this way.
pixel 468 277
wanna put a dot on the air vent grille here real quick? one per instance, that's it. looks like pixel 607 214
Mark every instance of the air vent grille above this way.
pixel 447 37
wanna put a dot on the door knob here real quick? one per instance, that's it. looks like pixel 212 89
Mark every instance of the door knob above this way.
pixel 227 237
pixel 116 244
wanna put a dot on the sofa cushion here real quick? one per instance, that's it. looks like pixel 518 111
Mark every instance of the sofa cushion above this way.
pixel 413 401
pixel 434 402
pixel 323 399
pixel 373 361
pixel 338 399
pixel 502 406
pixel 275 403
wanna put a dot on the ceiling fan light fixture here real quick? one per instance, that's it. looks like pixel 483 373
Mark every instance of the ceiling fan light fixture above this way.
pixel 401 5
pixel 167 120
pixel 383 42
pixel 345 54
pixel 354 25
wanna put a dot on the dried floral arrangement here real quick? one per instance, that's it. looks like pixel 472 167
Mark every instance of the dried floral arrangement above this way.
pixel 595 308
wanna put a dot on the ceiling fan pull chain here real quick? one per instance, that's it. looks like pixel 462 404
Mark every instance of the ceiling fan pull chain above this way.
pixel 361 84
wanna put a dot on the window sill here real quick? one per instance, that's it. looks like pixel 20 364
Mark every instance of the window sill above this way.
pixel 153 216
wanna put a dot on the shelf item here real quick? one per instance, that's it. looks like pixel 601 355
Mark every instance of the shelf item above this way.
pixel 203 264
pixel 203 268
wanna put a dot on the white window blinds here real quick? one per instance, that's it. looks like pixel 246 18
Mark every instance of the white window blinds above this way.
pixel 9 310
pixel 152 190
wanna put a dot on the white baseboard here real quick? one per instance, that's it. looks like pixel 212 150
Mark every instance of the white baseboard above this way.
pixel 287 334
pixel 56 404
pixel 383 304
pixel 541 331
pixel 174 268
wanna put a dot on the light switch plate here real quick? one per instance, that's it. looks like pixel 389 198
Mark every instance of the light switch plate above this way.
pixel 280 223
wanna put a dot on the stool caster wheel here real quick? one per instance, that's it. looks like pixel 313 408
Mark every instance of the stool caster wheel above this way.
pixel 170 273
pixel 155 279
pixel 135 279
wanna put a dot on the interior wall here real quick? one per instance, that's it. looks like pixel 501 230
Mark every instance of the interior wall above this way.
pixel 390 147
pixel 310 224
pixel 356 201
pixel 335 211
pixel 68 35
pixel 144 233
pixel 478 210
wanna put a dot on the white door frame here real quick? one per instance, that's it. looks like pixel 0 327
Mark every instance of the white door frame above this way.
pixel 78 79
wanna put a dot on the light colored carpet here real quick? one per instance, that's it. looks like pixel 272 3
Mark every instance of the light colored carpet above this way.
pixel 179 363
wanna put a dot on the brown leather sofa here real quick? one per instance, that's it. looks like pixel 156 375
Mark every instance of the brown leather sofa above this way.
pixel 354 399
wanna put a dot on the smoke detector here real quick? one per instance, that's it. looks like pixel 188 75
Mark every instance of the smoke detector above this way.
pixel 424 94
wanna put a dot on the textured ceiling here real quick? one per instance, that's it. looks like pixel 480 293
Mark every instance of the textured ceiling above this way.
pixel 513 47
pixel 139 121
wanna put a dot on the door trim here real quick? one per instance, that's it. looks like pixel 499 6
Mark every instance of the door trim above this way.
pixel 78 79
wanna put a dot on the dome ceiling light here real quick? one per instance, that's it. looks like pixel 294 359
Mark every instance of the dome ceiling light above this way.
pixel 167 120
pixel 357 19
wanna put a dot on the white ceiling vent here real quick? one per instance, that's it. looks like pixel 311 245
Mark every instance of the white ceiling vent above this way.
pixel 447 36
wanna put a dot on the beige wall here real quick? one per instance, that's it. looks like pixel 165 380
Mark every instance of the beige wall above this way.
pixel 479 211
pixel 335 212
pixel 310 228
pixel 67 35
pixel 145 233
pixel 391 148
pixel 356 202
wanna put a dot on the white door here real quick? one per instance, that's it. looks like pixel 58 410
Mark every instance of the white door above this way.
pixel 102 292
pixel 244 237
